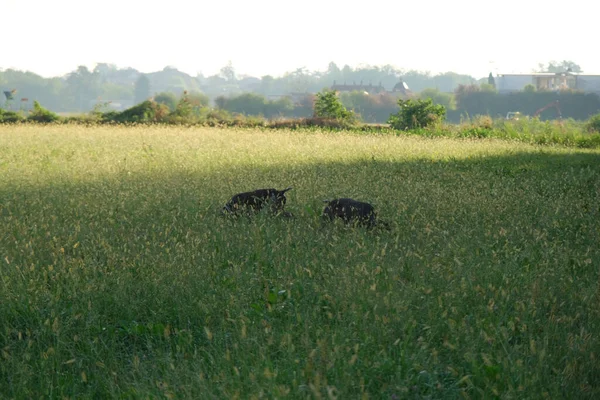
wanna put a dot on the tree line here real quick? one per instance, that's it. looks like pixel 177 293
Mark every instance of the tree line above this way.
pixel 83 89
pixel 107 87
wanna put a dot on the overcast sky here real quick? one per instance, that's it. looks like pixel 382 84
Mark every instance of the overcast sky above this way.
pixel 260 37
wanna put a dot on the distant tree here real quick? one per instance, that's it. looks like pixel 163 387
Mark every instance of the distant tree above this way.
pixel 556 67
pixel 491 80
pixel 215 84
pixel 278 108
pixel 299 81
pixel 112 91
pixel 168 99
pixel 246 103
pixel 104 70
pixel 357 100
pixel 83 86
pixel 333 69
pixel 266 84
pixel 228 72
pixel 474 99
pixel 347 72
pixel 304 107
pixel 486 87
pixel 445 82
pixel 333 72
pixel 197 99
pixel 370 107
pixel 442 98
pixel 142 89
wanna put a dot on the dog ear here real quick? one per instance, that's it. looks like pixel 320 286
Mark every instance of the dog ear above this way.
pixel 285 190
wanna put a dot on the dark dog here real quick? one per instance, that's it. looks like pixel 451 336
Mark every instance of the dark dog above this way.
pixel 350 211
pixel 257 200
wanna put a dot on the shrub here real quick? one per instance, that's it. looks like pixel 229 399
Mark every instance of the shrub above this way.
pixel 190 109
pixel 184 109
pixel 147 111
pixel 10 116
pixel 483 121
pixel 216 117
pixel 593 124
pixel 329 106
pixel 40 114
pixel 417 114
pixel 315 122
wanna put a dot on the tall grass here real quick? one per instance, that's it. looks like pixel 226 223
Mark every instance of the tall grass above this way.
pixel 119 278
pixel 567 133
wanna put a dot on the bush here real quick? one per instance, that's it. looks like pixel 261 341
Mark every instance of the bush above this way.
pixel 40 114
pixel 10 116
pixel 329 106
pixel 185 111
pixel 417 114
pixel 593 124
pixel 298 123
pixel 215 117
pixel 147 111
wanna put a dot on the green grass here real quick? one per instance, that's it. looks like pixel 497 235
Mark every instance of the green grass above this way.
pixel 566 133
pixel 119 279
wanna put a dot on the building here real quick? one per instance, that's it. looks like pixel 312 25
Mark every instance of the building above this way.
pixel 370 89
pixel 589 83
pixel 401 89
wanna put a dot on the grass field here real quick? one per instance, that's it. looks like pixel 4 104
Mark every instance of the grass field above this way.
pixel 119 279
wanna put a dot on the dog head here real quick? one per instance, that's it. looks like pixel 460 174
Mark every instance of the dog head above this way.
pixel 278 199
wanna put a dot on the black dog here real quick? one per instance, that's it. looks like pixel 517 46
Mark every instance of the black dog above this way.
pixel 257 200
pixel 350 211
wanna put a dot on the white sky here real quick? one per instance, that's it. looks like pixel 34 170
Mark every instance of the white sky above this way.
pixel 260 37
